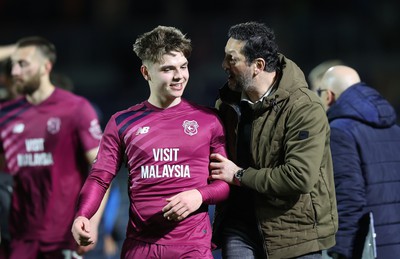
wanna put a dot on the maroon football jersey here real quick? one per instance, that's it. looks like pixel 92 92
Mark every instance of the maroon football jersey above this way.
pixel 166 151
pixel 45 147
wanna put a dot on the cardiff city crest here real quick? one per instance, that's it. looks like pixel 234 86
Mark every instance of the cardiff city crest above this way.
pixel 53 125
pixel 190 127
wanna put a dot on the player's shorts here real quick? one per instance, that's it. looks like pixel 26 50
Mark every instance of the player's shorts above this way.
pixel 31 250
pixel 136 249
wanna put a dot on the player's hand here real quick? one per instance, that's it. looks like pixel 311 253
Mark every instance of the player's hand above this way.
pixel 182 205
pixel 93 238
pixel 82 232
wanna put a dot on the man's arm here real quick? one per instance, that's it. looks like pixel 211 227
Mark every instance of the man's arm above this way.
pixel 223 169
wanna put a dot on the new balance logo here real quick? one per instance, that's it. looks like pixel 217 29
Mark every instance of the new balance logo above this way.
pixel 143 130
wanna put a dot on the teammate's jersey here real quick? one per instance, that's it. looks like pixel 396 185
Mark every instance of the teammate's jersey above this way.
pixel 166 151
pixel 45 147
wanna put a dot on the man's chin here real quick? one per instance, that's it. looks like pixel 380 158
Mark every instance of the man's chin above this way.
pixel 26 91
pixel 233 86
pixel 19 88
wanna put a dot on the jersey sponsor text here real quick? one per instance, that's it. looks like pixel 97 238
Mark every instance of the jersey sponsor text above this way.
pixel 167 171
pixel 34 159
pixel 153 171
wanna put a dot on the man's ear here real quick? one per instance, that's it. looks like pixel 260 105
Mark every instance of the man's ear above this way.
pixel 259 65
pixel 145 72
pixel 331 97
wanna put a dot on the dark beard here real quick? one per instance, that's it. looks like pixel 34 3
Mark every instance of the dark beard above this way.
pixel 28 87
pixel 234 87
pixel 239 83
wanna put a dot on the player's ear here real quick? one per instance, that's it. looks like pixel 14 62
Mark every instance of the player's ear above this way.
pixel 46 67
pixel 145 72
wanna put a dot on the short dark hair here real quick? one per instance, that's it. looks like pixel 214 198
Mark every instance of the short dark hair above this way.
pixel 260 43
pixel 46 48
pixel 152 45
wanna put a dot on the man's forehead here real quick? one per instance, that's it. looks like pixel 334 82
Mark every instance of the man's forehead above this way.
pixel 234 46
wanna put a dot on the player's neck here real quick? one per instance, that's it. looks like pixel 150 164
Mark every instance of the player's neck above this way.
pixel 40 95
pixel 164 103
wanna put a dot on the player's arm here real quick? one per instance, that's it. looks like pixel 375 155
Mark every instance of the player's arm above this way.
pixel 95 220
pixel 91 203
pixel 6 51
pixel 93 195
pixel 91 155
pixel 92 226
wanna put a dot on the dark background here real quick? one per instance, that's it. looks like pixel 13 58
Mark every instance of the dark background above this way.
pixel 94 39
